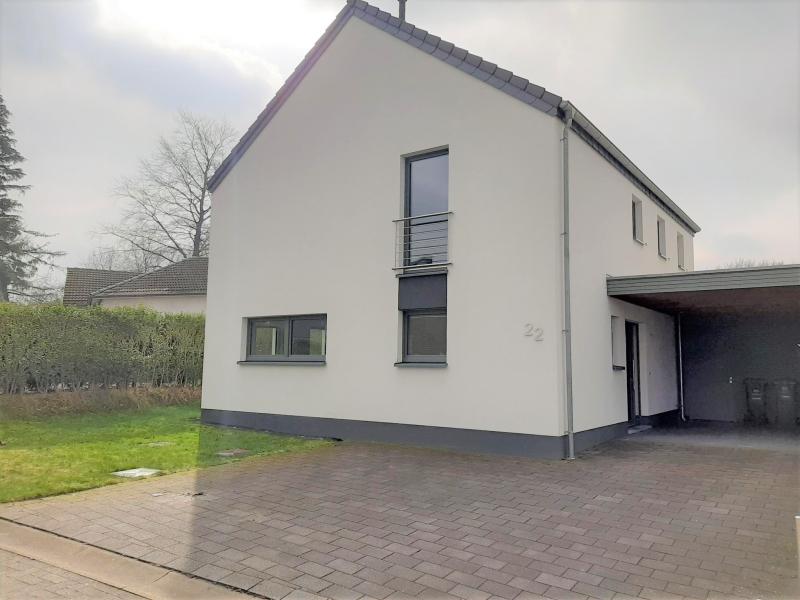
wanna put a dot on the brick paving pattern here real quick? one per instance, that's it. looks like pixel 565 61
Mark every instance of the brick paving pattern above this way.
pixel 22 578
pixel 633 519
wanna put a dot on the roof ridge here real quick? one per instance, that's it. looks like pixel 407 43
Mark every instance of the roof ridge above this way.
pixel 102 270
pixel 139 276
pixel 120 285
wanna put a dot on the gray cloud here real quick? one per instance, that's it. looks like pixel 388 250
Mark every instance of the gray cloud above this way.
pixel 703 96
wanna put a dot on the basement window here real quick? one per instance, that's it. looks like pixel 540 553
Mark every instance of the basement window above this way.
pixel 287 339
pixel 636 220
pixel 662 237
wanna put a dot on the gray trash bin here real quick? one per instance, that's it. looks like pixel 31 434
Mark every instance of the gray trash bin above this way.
pixel 783 401
pixel 755 410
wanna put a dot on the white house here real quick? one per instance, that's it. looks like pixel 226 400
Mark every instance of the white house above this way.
pixel 391 261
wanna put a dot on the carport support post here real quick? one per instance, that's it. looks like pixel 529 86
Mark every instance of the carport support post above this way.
pixel 681 404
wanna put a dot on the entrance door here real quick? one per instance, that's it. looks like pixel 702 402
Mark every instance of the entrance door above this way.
pixel 632 369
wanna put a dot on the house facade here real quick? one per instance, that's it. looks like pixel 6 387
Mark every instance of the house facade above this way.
pixel 412 244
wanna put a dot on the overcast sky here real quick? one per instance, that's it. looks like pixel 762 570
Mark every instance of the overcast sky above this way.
pixel 704 97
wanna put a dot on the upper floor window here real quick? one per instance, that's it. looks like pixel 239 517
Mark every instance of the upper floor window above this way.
pixel 681 252
pixel 424 240
pixel 299 338
pixel 636 220
pixel 662 237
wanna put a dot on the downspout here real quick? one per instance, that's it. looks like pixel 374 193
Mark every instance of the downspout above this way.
pixel 681 404
pixel 569 113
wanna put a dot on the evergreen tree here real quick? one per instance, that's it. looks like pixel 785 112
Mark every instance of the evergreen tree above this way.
pixel 22 251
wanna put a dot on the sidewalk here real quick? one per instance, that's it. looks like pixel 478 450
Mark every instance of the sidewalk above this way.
pixel 35 564
pixel 23 578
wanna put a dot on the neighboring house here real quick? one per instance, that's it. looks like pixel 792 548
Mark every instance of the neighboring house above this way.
pixel 179 287
pixel 390 256
pixel 82 283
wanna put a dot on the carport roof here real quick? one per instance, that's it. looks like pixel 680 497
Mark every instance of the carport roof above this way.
pixel 758 289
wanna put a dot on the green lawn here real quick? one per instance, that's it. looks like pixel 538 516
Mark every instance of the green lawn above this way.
pixel 61 454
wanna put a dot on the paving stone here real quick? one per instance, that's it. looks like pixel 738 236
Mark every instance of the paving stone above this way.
pixel 272 589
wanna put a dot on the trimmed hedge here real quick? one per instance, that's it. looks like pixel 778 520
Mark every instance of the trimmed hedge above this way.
pixel 36 406
pixel 52 347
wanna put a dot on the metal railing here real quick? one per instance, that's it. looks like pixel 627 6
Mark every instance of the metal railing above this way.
pixel 421 242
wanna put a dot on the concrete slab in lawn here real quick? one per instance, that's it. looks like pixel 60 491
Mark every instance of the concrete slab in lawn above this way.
pixel 234 452
pixel 137 473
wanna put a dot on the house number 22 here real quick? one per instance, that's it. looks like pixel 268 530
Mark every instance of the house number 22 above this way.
pixel 537 333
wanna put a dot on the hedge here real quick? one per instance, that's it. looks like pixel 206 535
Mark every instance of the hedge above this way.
pixel 46 348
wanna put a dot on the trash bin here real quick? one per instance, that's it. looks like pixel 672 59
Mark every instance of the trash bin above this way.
pixel 783 401
pixel 755 410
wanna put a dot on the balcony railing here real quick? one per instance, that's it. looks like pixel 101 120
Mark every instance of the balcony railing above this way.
pixel 421 242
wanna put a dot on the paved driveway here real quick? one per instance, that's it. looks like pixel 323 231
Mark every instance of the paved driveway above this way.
pixel 637 518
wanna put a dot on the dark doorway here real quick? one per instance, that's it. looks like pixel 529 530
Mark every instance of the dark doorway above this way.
pixel 632 369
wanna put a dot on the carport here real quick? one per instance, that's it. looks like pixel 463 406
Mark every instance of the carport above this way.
pixel 734 327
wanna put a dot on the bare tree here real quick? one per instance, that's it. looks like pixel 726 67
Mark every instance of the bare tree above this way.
pixel 742 263
pixel 121 257
pixel 169 205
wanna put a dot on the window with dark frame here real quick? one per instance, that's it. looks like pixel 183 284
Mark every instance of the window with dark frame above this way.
pixel 662 237
pixel 636 220
pixel 299 338
pixel 425 336
pixel 426 206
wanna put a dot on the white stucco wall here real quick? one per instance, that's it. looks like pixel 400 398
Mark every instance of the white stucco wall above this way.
pixel 603 244
pixel 165 304
pixel 303 224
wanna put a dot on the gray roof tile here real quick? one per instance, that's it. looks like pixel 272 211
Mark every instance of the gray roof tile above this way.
pixel 186 277
pixel 503 74
pixel 446 46
pixel 487 67
pixel 534 90
pixel 81 283
pixel 441 54
pixel 473 59
pixel 459 53
pixel 518 82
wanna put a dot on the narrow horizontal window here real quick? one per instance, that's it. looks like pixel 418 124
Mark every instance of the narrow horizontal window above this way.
pixel 299 338
pixel 425 336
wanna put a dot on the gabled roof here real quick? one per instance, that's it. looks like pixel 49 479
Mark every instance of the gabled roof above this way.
pixel 504 80
pixel 184 278
pixel 81 283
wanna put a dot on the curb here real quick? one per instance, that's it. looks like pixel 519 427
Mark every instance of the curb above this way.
pixel 128 574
